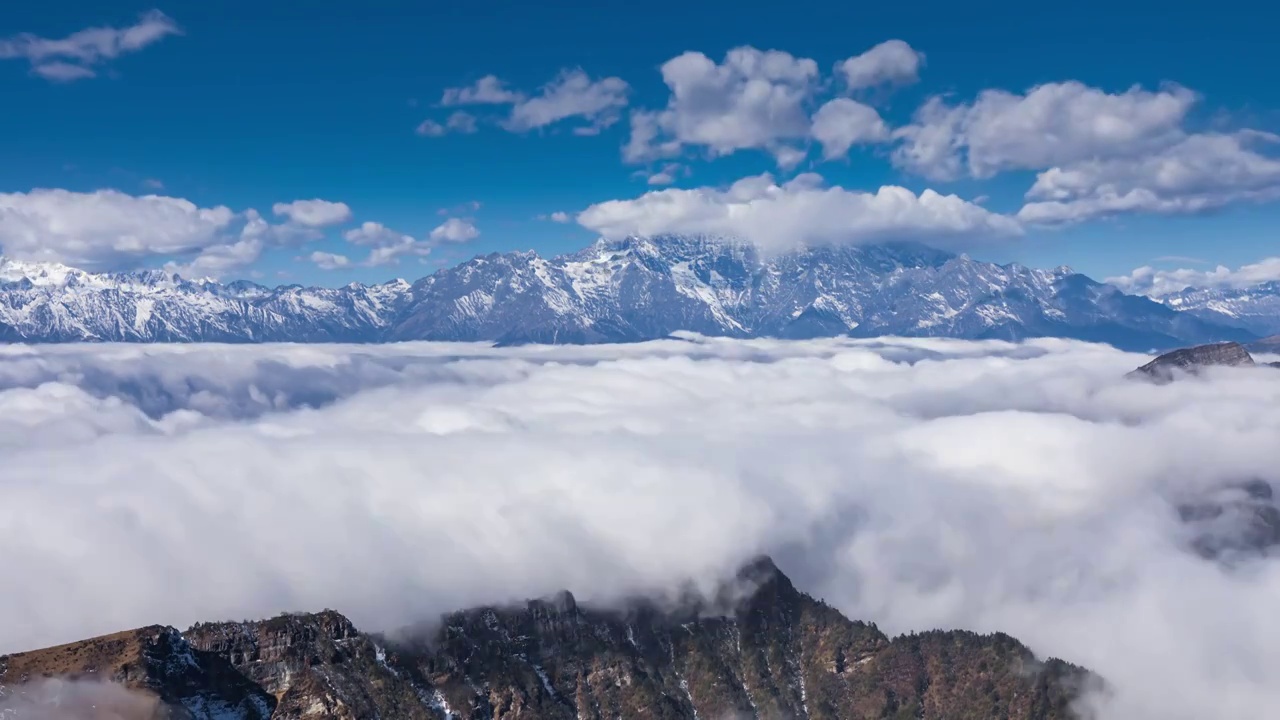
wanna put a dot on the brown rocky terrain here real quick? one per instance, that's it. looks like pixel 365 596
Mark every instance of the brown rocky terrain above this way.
pixel 1191 360
pixel 764 650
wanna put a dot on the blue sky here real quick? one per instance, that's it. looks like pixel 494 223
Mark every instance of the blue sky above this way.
pixel 245 105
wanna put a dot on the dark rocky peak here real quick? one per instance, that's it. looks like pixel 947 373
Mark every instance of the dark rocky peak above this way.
pixel 154 663
pixel 1238 520
pixel 313 665
pixel 1194 359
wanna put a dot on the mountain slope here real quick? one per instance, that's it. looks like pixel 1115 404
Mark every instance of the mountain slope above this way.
pixel 1255 308
pixel 634 289
pixel 761 650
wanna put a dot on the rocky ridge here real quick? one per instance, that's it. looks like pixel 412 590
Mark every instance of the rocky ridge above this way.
pixel 771 653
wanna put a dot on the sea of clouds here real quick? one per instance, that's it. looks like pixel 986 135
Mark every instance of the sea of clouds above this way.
pixel 1027 488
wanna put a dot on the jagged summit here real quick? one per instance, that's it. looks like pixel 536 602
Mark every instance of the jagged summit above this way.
pixel 612 291
pixel 777 654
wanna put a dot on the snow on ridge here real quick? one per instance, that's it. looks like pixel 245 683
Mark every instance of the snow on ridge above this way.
pixel 613 290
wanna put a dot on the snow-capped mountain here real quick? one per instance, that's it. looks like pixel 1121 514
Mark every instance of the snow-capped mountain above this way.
pixel 626 290
pixel 1255 308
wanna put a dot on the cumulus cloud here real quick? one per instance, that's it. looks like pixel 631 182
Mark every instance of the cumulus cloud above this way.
pixel 459 122
pixel 1199 172
pixel 106 228
pixel 800 211
pixel 112 230
pixel 313 213
pixel 890 62
pixel 75 56
pixel 488 90
pixel 842 123
pixel 1051 124
pixel 386 246
pixel 229 252
pixel 1154 282
pixel 915 483
pixel 667 174
pixel 753 99
pixel 571 94
pixel 329 261
pixel 455 230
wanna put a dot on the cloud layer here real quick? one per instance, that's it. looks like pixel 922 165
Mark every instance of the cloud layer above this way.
pixel 925 483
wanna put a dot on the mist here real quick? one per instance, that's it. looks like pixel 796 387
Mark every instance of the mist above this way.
pixel 1027 488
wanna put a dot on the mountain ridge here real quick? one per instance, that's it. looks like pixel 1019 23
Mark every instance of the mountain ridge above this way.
pixel 1255 308
pixel 758 649
pixel 612 291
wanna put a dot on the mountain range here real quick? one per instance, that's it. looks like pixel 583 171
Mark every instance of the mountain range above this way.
pixel 758 649
pixel 618 291
pixel 1255 308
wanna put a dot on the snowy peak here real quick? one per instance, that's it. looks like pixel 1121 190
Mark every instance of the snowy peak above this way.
pixel 620 290
pixel 1255 308
pixel 43 274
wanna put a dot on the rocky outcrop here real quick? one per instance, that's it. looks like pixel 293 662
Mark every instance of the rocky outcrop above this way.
pixel 760 649
pixel 314 666
pixel 1192 360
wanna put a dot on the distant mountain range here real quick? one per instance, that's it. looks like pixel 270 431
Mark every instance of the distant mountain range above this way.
pixel 1255 308
pixel 760 650
pixel 619 291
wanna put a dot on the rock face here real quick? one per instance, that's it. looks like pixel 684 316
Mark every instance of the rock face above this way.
pixel 760 650
pixel 1191 360
pixel 612 291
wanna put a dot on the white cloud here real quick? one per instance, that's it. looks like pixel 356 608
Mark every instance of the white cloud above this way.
pixel 1197 173
pixel 386 245
pixel 752 100
pixel 73 57
pixel 667 175
pixel 488 90
pixel 559 216
pixel 63 72
pixel 459 122
pixel 329 261
pixel 1052 124
pixel 842 123
pixel 1154 282
pixel 914 483
pixel 801 211
pixel 313 213
pixel 231 253
pixel 890 62
pixel 571 95
pixel 106 228
pixel 455 230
